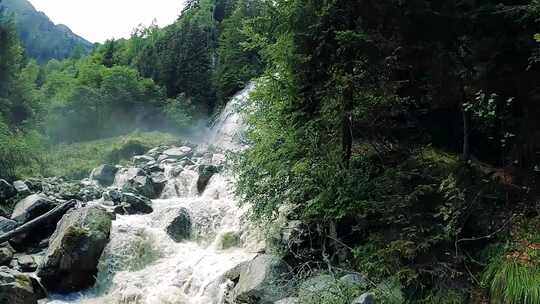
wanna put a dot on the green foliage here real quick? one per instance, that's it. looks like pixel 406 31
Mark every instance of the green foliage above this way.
pixel 42 39
pixel 513 275
pixel 77 160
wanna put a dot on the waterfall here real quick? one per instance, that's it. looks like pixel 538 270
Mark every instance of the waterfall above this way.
pixel 142 264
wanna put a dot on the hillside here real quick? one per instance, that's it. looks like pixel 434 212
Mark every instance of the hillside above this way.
pixel 42 39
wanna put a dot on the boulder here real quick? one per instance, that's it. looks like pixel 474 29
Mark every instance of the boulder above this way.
pixel 205 174
pixel 6 254
pixel 21 187
pixel 262 281
pixel 112 195
pixel 131 203
pixel 179 228
pixel 31 207
pixel 17 288
pixel 7 191
pixel 6 225
pixel 70 263
pixel 366 298
pixel 135 180
pixel 141 160
pixel 178 152
pixel 104 174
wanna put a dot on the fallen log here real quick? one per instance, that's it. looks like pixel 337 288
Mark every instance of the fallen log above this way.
pixel 56 212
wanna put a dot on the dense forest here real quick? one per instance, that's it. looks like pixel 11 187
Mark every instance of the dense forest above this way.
pixel 402 138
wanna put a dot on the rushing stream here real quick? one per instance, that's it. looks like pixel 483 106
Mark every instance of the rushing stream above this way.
pixel 143 265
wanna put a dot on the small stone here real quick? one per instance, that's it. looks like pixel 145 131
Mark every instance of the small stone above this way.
pixel 27 263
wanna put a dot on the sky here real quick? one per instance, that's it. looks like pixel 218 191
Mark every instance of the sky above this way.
pixel 99 20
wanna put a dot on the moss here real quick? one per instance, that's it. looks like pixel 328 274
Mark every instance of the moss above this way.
pixel 73 235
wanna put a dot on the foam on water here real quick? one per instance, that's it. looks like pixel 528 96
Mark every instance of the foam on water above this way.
pixel 143 265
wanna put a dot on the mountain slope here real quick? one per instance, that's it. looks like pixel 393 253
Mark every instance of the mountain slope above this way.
pixel 42 39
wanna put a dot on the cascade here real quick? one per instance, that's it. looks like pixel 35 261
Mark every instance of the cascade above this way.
pixel 142 264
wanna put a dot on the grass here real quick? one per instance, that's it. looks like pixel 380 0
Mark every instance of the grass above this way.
pixel 75 161
pixel 513 275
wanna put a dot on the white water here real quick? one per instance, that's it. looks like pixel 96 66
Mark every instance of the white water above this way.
pixel 143 265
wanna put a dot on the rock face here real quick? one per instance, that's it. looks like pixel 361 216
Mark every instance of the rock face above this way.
pixel 6 190
pixel 16 288
pixel 262 281
pixel 179 229
pixel 104 174
pixel 31 207
pixel 70 263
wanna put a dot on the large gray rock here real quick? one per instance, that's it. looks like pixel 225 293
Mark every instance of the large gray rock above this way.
pixel 179 227
pixel 131 203
pixel 16 288
pixel 178 152
pixel 21 187
pixel 354 280
pixel 366 298
pixel 262 281
pixel 31 207
pixel 140 160
pixel 70 263
pixel 7 191
pixel 6 225
pixel 135 180
pixel 104 174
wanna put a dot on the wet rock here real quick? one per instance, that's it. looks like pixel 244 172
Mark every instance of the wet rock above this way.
pixel 263 280
pixel 141 160
pixel 70 263
pixel 179 228
pixel 366 298
pixel 7 191
pixel 6 254
pixel 31 207
pixel 104 174
pixel 6 225
pixel 131 203
pixel 26 263
pixel 21 187
pixel 178 152
pixel 159 180
pixel 205 174
pixel 135 180
pixel 16 288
